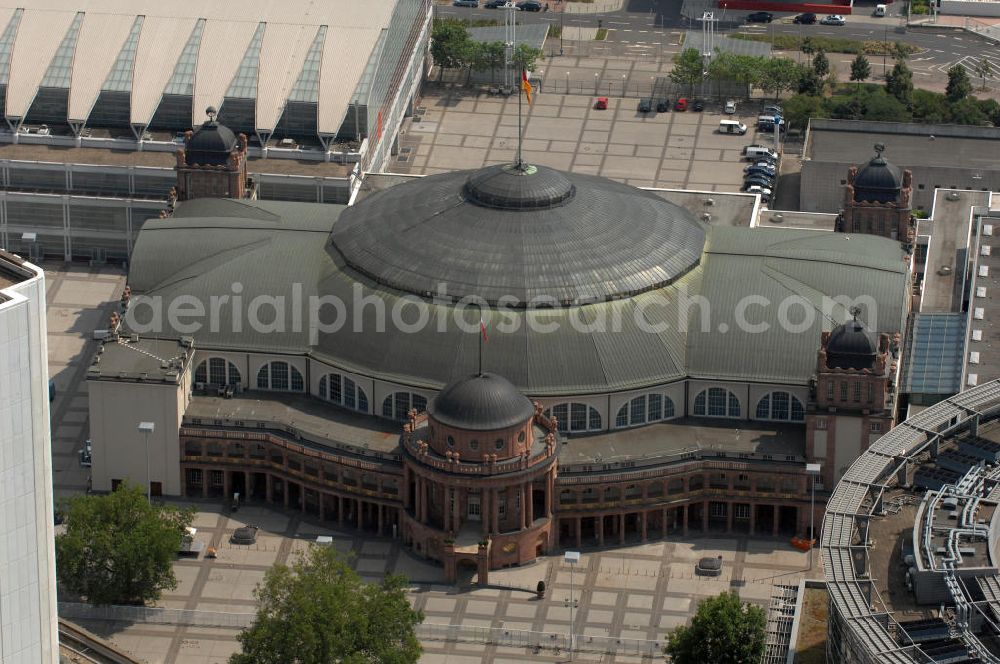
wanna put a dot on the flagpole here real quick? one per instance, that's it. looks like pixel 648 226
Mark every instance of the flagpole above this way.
pixel 520 164
pixel 480 346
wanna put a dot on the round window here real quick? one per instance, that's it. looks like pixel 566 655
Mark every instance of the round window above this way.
pixel 451 442
pixel 499 443
pixel 473 444
pixel 520 437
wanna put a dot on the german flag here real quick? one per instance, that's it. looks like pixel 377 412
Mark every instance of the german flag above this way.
pixel 525 85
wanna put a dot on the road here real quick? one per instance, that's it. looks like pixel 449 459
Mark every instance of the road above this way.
pixel 643 22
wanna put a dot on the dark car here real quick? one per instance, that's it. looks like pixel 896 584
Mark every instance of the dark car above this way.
pixel 529 6
pixel 466 3
pixel 805 19
pixel 645 105
pixel 766 171
pixel 698 105
pixel 662 105
pixel 760 17
pixel 759 180
pixel 495 4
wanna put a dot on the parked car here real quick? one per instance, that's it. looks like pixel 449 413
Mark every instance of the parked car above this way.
pixel 732 127
pixel 764 163
pixel 758 180
pixel 601 104
pixel 495 4
pixel 834 19
pixel 662 105
pixel 698 105
pixel 760 17
pixel 529 6
pixel 765 192
pixel 466 3
pixel 681 105
pixel 805 19
pixel 772 109
pixel 756 152
pixel 646 105
pixel 730 107
pixel 767 170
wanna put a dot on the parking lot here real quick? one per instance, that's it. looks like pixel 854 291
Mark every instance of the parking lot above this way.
pixel 461 128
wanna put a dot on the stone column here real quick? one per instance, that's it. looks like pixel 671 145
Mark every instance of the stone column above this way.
pixel 204 485
pixel 495 511
pixel 643 516
pixel 621 528
pixel 302 497
pixel 684 520
pixel 531 502
pixel 446 521
pixel 340 511
pixel 227 485
pixel 704 517
pixel 600 529
pixel 406 486
pixel 663 523
pixel 247 485
pixel 322 506
pixel 524 506
pixel 285 485
pixel 484 510
pixel 753 518
pixel 774 528
pixel 381 518
pixel 359 513
pixel 579 532
pixel 456 515
pixel 549 490
pixel 729 516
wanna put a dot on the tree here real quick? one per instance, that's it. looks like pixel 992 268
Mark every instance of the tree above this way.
pixel 723 631
pixel 118 548
pixel 778 75
pixel 885 107
pixel 959 85
pixel 745 69
pixel 861 69
pixel 929 107
pixel 968 112
pixel 488 56
pixel 991 109
pixel 809 82
pixel 821 64
pixel 688 69
pixel 899 82
pixel 451 47
pixel 807 46
pixel 319 611
pixel 799 108
pixel 525 57
pixel 983 70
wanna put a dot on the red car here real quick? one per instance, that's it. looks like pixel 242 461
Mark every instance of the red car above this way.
pixel 601 104
pixel 681 105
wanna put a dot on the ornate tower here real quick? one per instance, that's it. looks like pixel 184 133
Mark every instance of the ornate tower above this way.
pixel 853 401
pixel 877 200
pixel 479 470
pixel 213 163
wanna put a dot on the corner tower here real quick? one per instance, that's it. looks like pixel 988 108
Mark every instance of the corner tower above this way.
pixel 213 163
pixel 479 470
pixel 877 200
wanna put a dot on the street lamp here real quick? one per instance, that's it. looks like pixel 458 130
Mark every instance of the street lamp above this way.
pixel 146 428
pixel 623 85
pixel 571 558
pixel 812 469
pixel 562 28
pixel 567 83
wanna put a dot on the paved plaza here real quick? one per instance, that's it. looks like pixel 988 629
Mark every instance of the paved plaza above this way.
pixel 464 128
pixel 634 592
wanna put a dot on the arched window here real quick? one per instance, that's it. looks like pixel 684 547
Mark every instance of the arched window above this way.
pixel 397 405
pixel 643 409
pixel 575 417
pixel 780 406
pixel 343 391
pixel 716 402
pixel 281 377
pixel 217 371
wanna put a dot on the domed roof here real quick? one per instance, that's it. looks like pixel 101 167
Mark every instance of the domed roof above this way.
pixel 211 144
pixel 851 346
pixel 878 180
pixel 483 402
pixel 521 236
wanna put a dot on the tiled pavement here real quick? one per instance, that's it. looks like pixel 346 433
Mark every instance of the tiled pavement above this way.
pixel 636 592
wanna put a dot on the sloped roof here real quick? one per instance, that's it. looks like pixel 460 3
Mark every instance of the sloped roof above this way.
pixel 655 337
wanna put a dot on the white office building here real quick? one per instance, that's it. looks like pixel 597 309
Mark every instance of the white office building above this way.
pixel 27 553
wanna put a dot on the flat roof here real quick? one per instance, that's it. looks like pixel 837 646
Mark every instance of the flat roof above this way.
pixel 145 360
pixel 319 422
pixel 688 434
pixel 167 160
pixel 208 50
pixel 982 359
pixel 949 244
pixel 815 221
pixel 907 145
pixel 12 269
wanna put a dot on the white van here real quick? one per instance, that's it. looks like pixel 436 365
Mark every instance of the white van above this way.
pixel 880 10
pixel 753 152
pixel 732 127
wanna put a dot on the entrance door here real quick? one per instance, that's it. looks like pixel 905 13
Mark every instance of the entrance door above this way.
pixel 475 511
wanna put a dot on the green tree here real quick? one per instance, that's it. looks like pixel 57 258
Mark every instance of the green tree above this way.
pixel 968 112
pixel 118 548
pixel 929 107
pixel 899 82
pixel 451 47
pixel 688 68
pixel 885 107
pixel 821 64
pixel 526 57
pixel 723 631
pixel 319 611
pixel 861 70
pixel 745 69
pixel 991 109
pixel 809 82
pixel 959 85
pixel 778 75
pixel 807 47
pixel 983 70
pixel 488 56
pixel 799 108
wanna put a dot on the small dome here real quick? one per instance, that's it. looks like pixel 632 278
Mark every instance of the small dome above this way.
pixel 878 181
pixel 211 144
pixel 484 402
pixel 851 346
pixel 516 187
